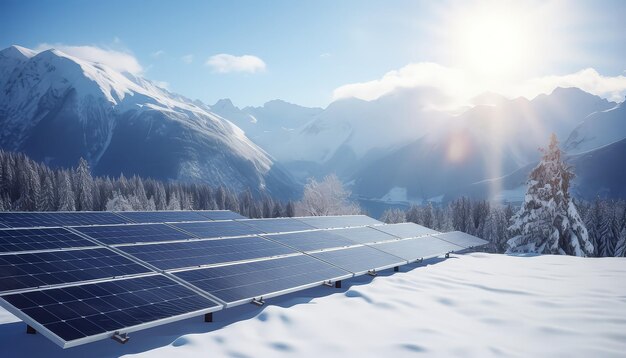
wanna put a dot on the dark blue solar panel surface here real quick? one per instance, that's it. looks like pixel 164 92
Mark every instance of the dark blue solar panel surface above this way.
pixel 80 311
pixel 35 219
pixel 359 259
pixel 206 252
pixel 327 222
pixel 421 247
pixel 245 281
pixel 161 216
pixel 462 239
pixel 364 235
pixel 127 234
pixel 221 215
pixel 311 240
pixel 214 229
pixel 14 240
pixel 277 225
pixel 28 270
pixel 406 230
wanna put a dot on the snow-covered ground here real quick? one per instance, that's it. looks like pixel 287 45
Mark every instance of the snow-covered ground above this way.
pixel 469 305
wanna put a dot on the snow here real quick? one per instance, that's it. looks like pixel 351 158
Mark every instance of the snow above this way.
pixel 396 194
pixel 477 305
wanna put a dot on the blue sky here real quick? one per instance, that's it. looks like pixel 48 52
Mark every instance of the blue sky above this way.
pixel 309 49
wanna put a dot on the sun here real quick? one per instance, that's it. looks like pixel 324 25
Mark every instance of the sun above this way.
pixel 494 40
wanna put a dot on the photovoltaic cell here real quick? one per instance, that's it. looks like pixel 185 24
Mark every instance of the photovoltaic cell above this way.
pixel 128 234
pixel 243 282
pixel 206 252
pixel 48 219
pixel 31 270
pixel 406 230
pixel 462 239
pixel 214 229
pixel 277 225
pixel 77 312
pixel 161 216
pixel 311 240
pixel 417 248
pixel 221 215
pixel 328 222
pixel 364 235
pixel 15 240
pixel 359 259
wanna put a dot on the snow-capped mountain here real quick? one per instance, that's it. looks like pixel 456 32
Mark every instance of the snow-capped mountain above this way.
pixel 597 130
pixel 57 108
pixel 269 125
pixel 487 141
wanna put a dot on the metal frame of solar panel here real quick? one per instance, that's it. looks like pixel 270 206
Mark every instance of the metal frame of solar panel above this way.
pixel 248 276
pixel 406 230
pixel 217 229
pixel 221 214
pixel 467 241
pixel 60 218
pixel 72 315
pixel 418 248
pixel 145 217
pixel 230 273
pixel 277 225
pixel 338 221
pixel 133 233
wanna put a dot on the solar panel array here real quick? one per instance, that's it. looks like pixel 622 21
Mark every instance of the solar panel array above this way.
pixel 91 277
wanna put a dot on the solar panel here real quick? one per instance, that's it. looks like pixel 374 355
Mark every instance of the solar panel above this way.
pixel 221 215
pixel 462 239
pixel 328 222
pixel 406 230
pixel 277 225
pixel 42 219
pixel 360 259
pixel 311 240
pixel 206 252
pixel 214 229
pixel 243 282
pixel 161 216
pixel 80 314
pixel 30 270
pixel 364 235
pixel 14 240
pixel 128 234
pixel 417 248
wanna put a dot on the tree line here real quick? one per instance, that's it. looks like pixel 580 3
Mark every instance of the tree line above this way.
pixel 26 185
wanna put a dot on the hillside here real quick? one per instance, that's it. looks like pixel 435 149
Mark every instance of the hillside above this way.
pixel 57 108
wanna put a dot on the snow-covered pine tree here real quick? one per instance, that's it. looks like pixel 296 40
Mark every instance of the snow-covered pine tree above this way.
pixel 620 247
pixel 83 181
pixel 548 221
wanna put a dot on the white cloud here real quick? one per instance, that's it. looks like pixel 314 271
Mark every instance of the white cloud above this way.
pixel 588 80
pixel 187 58
pixel 225 63
pixel 157 54
pixel 325 55
pixel 117 60
pixel 463 86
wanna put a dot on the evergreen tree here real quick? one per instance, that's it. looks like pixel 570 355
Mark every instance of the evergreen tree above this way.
pixel 290 210
pixel 83 183
pixel 548 221
pixel 65 194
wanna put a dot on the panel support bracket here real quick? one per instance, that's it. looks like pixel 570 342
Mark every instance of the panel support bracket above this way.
pixel 448 254
pixel 258 301
pixel 338 284
pixel 328 283
pixel 396 268
pixel 120 337
pixel 208 317
pixel 372 273
pixel 30 330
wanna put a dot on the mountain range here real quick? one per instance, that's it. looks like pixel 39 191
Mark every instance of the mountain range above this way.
pixel 401 147
pixel 57 108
